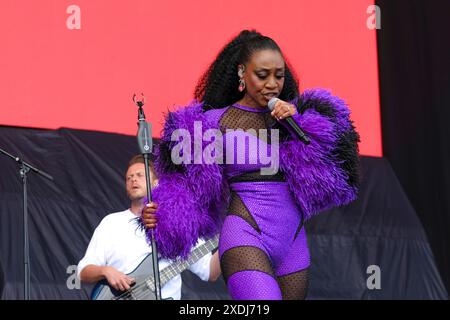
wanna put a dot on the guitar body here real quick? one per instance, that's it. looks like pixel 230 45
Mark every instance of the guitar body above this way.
pixel 144 288
pixel 103 291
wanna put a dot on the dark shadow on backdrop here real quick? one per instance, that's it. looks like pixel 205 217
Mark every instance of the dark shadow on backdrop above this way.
pixel 414 69
pixel 2 279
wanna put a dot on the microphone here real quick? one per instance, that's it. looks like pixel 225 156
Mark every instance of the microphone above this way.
pixel 291 122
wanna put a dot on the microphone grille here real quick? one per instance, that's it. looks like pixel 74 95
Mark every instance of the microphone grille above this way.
pixel 272 103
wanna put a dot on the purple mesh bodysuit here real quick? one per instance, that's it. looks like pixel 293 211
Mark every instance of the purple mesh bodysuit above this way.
pixel 263 248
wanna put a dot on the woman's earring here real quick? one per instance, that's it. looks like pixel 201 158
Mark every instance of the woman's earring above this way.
pixel 241 85
pixel 241 79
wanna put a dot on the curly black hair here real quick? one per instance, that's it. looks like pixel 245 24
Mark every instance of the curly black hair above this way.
pixel 218 86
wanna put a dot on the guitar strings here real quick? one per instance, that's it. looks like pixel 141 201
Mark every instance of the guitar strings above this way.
pixel 137 296
pixel 129 292
pixel 142 285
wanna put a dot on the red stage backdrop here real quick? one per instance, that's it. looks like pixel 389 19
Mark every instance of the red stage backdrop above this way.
pixel 77 63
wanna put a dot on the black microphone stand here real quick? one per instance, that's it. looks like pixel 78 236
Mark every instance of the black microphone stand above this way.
pixel 145 143
pixel 24 169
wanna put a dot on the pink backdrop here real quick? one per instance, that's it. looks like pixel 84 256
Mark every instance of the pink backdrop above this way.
pixel 54 76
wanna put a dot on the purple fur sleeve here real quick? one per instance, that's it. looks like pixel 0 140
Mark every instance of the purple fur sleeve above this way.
pixel 181 219
pixel 323 174
pixel 189 196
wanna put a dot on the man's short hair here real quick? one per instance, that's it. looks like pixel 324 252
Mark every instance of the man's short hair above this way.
pixel 139 158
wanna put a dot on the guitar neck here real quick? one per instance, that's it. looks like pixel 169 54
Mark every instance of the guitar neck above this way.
pixel 180 265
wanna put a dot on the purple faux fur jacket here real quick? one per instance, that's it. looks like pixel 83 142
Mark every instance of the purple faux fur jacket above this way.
pixel 192 198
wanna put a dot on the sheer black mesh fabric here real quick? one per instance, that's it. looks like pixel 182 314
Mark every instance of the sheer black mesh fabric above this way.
pixel 245 258
pixel 238 208
pixel 235 118
pixel 257 176
pixel 294 286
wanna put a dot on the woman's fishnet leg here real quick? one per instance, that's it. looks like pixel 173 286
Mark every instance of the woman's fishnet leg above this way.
pixel 249 275
pixel 294 286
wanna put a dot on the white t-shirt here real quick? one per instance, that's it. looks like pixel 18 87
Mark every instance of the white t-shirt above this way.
pixel 119 242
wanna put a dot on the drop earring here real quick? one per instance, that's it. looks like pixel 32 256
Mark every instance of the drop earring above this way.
pixel 241 80
pixel 241 85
